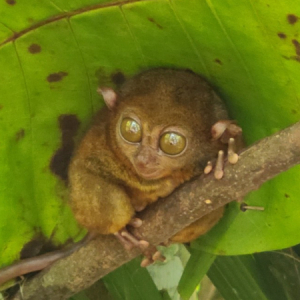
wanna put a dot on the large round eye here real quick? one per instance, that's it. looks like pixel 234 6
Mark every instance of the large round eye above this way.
pixel 131 130
pixel 172 143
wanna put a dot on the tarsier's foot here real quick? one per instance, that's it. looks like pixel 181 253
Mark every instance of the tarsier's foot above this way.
pixel 128 240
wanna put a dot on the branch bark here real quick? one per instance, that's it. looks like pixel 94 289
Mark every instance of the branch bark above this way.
pixel 258 163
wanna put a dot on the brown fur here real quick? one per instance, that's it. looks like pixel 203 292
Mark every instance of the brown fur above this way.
pixel 105 186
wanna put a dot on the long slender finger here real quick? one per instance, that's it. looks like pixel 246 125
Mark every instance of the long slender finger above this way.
pixel 126 244
pixel 138 243
pixel 232 155
pixel 208 167
pixel 219 173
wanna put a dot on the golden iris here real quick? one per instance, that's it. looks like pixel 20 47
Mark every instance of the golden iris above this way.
pixel 172 143
pixel 131 130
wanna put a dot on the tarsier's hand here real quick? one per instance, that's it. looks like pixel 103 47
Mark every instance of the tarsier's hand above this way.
pixel 228 133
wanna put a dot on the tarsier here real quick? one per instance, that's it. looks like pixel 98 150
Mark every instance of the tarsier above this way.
pixel 160 129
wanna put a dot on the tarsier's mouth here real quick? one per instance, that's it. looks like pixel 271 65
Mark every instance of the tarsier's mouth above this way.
pixel 148 173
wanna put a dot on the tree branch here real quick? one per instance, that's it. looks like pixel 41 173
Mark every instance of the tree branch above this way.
pixel 258 163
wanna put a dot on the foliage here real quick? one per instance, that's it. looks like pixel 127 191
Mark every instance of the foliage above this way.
pixel 54 54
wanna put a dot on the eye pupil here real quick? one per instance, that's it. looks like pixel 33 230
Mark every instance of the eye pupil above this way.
pixel 173 139
pixel 172 143
pixel 131 130
pixel 132 126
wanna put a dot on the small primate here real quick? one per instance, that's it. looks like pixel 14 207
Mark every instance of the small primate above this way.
pixel 160 129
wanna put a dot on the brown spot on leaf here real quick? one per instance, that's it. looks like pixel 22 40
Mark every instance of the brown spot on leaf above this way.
pixel 294 57
pixel 154 22
pixel 34 48
pixel 292 19
pixel 1 106
pixel 286 195
pixel 54 77
pixel 218 61
pixel 11 2
pixel 69 125
pixel 281 35
pixel 39 244
pixel 20 134
pixel 297 46
pixel 294 111
pixel 118 78
pixel 33 247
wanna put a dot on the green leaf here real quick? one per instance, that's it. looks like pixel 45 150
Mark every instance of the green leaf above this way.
pixel 196 268
pixel 97 291
pixel 131 282
pixel 285 267
pixel 80 296
pixel 54 56
pixel 234 278
pixel 260 276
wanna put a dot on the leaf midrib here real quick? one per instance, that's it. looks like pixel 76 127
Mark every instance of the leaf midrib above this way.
pixel 64 15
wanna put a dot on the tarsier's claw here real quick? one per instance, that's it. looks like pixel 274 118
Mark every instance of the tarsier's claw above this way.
pixel 232 155
pixel 218 173
pixel 208 167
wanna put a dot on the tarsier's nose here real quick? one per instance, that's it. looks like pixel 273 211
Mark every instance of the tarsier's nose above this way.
pixel 146 156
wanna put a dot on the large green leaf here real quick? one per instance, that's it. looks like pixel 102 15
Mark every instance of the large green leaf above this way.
pixel 131 282
pixel 271 275
pixel 54 54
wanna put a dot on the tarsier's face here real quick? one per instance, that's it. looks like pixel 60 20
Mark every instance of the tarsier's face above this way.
pixel 161 122
pixel 154 150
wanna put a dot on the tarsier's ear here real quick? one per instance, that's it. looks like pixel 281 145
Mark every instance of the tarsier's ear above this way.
pixel 109 96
